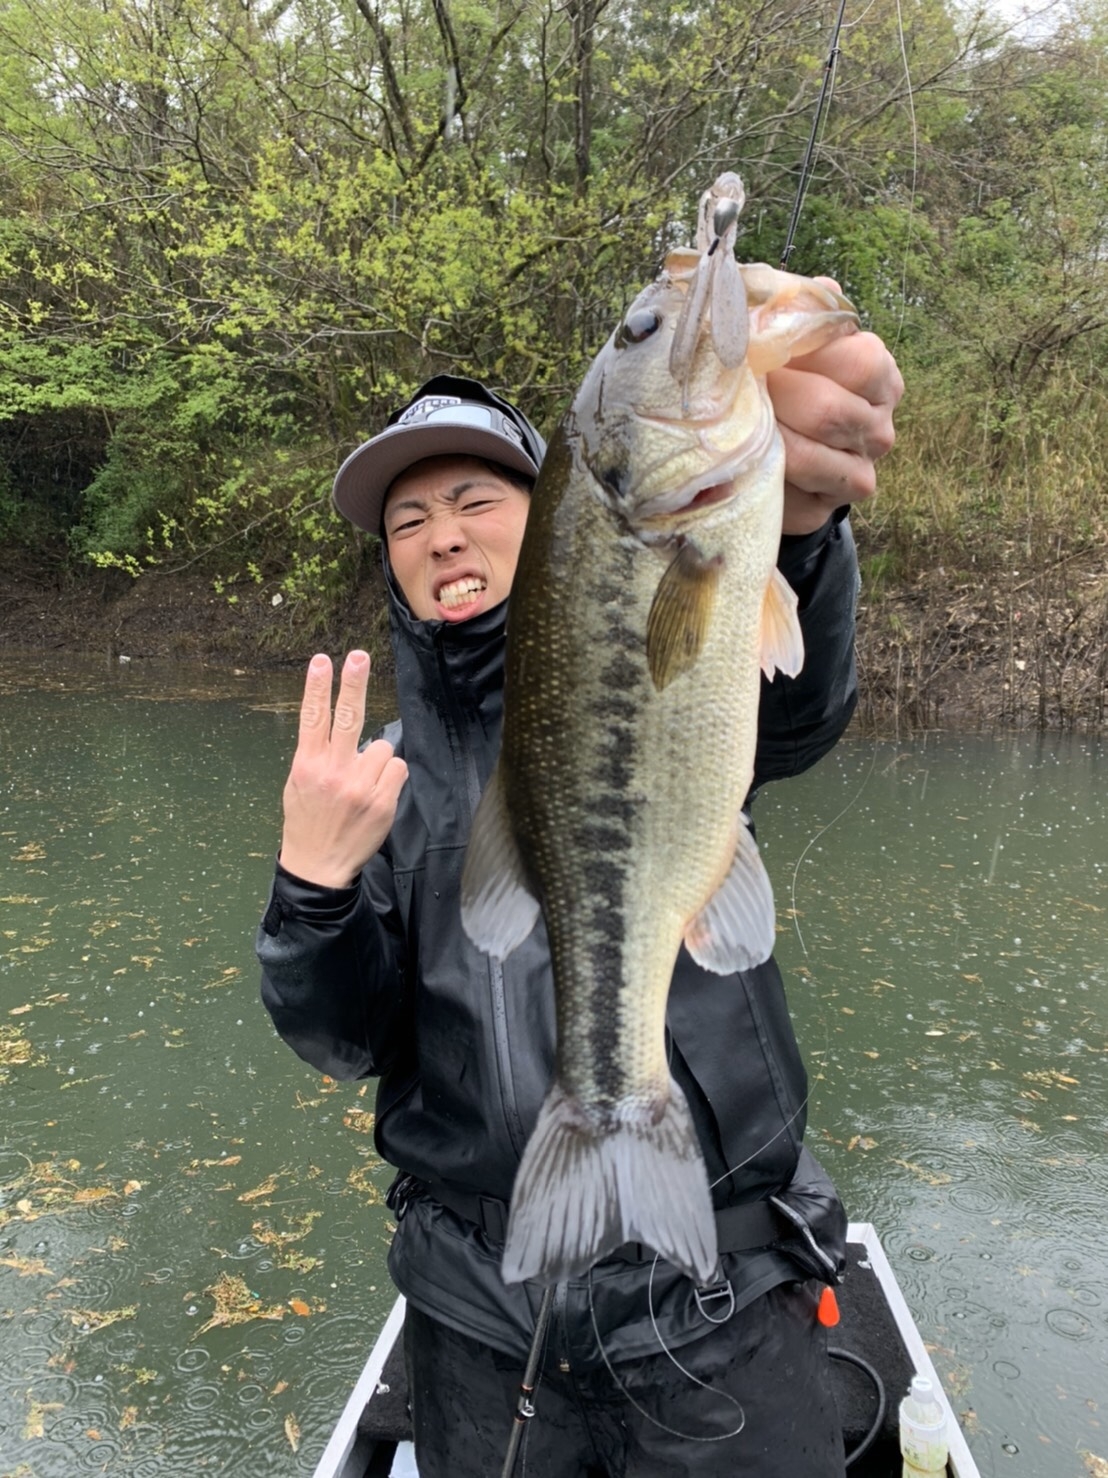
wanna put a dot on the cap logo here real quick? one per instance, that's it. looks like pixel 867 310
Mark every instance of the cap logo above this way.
pixel 430 405
pixel 453 411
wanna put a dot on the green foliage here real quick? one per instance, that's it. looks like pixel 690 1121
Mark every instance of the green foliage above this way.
pixel 233 237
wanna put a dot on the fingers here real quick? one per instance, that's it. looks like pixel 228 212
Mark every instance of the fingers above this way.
pixel 315 708
pixel 384 775
pixel 346 730
pixel 835 410
pixel 339 801
pixel 858 363
pixel 316 727
pixel 811 406
pixel 841 473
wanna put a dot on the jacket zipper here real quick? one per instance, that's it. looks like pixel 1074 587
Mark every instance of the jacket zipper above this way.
pixel 512 1121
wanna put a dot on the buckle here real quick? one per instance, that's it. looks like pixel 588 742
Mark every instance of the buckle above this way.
pixel 711 1294
pixel 398 1195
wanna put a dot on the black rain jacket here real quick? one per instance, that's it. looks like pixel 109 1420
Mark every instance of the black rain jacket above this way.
pixel 379 979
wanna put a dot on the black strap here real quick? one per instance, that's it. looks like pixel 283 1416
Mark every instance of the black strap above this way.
pixel 738 1228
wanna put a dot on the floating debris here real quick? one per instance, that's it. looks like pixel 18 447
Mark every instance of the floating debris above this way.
pixel 235 1303
pixel 292 1431
pixel 90 1320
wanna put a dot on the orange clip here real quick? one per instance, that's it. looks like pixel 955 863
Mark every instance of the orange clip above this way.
pixel 828 1311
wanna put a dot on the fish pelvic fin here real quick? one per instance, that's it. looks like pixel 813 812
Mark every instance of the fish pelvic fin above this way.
pixel 584 1188
pixel 680 614
pixel 735 929
pixel 782 641
pixel 498 908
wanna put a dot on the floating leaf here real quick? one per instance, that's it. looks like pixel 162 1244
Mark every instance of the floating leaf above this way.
pixel 298 1306
pixel 931 1178
pixel 34 1427
pixel 292 1431
pixel 27 1267
pixel 267 1187
pixel 87 1320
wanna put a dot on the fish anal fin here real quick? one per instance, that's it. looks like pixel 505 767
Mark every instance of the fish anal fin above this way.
pixel 735 929
pixel 499 909
pixel 782 642
pixel 681 613
pixel 583 1189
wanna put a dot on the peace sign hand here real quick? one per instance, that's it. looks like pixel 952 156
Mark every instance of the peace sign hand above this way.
pixel 339 801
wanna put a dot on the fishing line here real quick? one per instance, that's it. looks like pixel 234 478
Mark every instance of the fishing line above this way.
pixel 695 1379
pixel 851 803
pixel 800 1108
pixel 915 173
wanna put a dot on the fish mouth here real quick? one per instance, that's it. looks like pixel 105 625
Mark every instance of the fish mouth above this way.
pixel 715 486
pixel 458 592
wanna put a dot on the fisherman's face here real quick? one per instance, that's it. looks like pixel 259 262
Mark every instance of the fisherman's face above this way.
pixel 453 528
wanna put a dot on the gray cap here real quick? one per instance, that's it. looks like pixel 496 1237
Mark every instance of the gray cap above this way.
pixel 448 416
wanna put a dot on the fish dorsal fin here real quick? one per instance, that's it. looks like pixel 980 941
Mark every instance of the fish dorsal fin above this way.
pixel 680 614
pixel 782 646
pixel 498 908
pixel 735 928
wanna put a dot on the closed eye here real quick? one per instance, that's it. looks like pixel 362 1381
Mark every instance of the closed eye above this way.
pixel 406 526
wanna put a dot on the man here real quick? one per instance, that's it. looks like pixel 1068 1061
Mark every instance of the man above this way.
pixel 366 970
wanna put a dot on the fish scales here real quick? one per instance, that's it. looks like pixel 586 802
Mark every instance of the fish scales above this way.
pixel 644 609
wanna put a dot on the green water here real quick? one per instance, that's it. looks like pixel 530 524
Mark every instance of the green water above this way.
pixel 165 1162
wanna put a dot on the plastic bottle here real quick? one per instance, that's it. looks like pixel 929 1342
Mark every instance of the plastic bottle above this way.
pixel 923 1439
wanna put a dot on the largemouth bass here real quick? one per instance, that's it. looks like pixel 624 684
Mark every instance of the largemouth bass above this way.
pixel 645 606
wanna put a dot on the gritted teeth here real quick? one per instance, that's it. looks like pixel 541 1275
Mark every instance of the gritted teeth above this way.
pixel 461 592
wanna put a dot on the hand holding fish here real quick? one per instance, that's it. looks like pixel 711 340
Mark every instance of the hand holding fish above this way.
pixel 835 412
pixel 339 800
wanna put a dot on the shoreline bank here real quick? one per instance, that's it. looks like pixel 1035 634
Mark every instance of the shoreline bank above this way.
pixel 945 652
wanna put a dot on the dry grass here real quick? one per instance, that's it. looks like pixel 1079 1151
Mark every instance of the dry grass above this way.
pixel 985 567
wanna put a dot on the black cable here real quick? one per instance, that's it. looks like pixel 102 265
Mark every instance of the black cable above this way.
pixel 882 1401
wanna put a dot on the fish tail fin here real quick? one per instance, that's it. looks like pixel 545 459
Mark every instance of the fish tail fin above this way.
pixel 584 1188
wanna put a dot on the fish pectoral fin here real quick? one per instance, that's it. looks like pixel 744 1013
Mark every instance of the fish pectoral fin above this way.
pixel 681 613
pixel 735 928
pixel 782 642
pixel 498 908
pixel 798 319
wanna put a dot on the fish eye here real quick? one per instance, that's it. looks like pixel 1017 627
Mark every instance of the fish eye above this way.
pixel 638 326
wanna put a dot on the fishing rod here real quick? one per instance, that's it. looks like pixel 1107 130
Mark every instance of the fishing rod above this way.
pixel 806 167
pixel 525 1406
